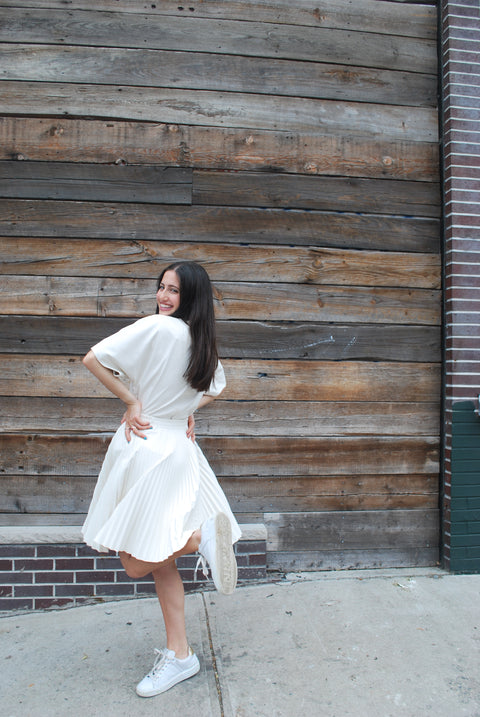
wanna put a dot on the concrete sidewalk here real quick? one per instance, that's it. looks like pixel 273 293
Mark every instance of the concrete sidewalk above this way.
pixel 337 644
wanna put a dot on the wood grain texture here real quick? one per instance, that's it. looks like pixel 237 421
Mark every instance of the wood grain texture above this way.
pixel 230 37
pixel 91 140
pixel 236 455
pixel 146 259
pixel 352 530
pixel 239 339
pixel 48 494
pixel 60 494
pixel 117 183
pixel 401 557
pixel 80 296
pixel 328 193
pixel 219 109
pixel 227 417
pixel 164 185
pixel 223 73
pixel 43 519
pixel 206 224
pixel 367 15
pixel 266 380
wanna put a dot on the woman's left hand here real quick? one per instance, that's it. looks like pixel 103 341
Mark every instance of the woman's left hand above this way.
pixel 191 428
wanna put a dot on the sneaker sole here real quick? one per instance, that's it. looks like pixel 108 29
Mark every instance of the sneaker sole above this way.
pixel 174 681
pixel 226 578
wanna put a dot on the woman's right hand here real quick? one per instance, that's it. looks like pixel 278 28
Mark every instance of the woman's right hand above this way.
pixel 134 423
pixel 191 428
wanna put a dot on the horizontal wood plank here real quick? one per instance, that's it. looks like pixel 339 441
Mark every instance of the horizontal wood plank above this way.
pixel 360 559
pixel 46 494
pixel 329 193
pixel 368 15
pixel 219 109
pixel 92 140
pixel 114 183
pixel 257 39
pixel 352 530
pixel 235 455
pixel 233 225
pixel 227 417
pixel 266 380
pixel 207 71
pixel 80 296
pixel 57 494
pixel 146 259
pixel 327 303
pixel 42 519
pixel 239 339
pixel 294 494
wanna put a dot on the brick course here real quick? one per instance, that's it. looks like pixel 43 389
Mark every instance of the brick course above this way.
pixel 39 577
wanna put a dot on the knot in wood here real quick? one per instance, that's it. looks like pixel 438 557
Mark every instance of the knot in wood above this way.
pixel 318 15
pixel 311 167
pixel 387 161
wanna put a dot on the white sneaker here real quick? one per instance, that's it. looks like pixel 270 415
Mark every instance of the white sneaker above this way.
pixel 217 551
pixel 166 672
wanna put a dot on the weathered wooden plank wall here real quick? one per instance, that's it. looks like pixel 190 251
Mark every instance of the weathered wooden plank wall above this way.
pixel 292 149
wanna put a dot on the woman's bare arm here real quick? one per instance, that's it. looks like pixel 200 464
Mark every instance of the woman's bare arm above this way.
pixel 132 417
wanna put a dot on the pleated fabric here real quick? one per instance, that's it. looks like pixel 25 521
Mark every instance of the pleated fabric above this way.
pixel 152 494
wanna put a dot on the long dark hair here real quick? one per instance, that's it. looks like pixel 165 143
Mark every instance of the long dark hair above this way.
pixel 196 309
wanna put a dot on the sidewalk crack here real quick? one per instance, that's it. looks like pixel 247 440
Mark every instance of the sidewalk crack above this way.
pixel 213 658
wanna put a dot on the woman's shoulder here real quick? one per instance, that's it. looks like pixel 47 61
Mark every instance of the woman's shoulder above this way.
pixel 162 324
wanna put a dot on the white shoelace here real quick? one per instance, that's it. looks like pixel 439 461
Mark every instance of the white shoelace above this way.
pixel 201 563
pixel 160 663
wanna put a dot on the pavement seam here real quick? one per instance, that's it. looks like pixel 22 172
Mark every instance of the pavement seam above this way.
pixel 213 658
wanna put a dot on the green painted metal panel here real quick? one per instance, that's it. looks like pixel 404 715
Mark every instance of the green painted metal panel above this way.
pixel 465 489
pixel 467 440
pixel 470 480
pixel 466 565
pixel 461 541
pixel 468 551
pixel 463 525
pixel 467 503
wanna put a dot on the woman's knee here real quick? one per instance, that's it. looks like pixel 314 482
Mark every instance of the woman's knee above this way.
pixel 134 568
pixel 135 572
pixel 165 570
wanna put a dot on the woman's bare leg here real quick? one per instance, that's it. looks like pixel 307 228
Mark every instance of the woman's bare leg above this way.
pixel 136 568
pixel 171 595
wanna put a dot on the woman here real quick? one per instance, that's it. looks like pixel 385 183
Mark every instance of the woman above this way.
pixel 156 497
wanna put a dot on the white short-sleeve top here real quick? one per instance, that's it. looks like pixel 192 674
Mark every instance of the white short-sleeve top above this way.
pixel 153 355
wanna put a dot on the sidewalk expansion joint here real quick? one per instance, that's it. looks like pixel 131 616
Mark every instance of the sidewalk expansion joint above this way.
pixel 213 658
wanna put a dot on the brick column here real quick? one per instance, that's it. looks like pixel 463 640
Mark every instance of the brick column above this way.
pixel 460 79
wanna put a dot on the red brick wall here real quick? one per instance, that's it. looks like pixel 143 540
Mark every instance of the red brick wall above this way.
pixel 460 62
pixel 34 577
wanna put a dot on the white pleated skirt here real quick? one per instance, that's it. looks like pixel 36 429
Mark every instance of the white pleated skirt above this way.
pixel 152 494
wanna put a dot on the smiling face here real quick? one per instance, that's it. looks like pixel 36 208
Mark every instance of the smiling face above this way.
pixel 168 294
